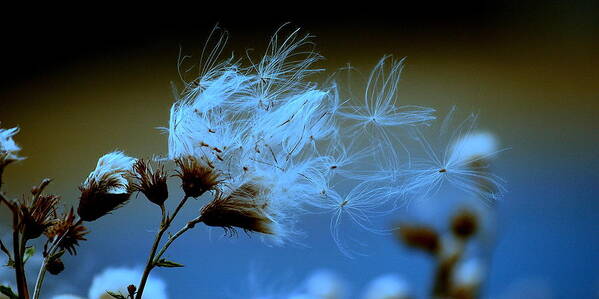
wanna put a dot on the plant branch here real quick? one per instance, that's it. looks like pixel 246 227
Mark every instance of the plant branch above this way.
pixel 18 249
pixel 172 238
pixel 164 225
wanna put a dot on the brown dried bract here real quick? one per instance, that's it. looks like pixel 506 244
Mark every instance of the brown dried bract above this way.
pixel 150 182
pixel 71 232
pixel 95 201
pixel 37 215
pixel 196 176
pixel 241 209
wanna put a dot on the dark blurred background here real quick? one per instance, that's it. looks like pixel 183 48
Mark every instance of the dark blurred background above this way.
pixel 82 81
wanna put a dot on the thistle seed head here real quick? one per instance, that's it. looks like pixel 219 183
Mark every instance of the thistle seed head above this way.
pixel 107 187
pixel 244 208
pixel 37 215
pixel 196 176
pixel 150 182
pixel 71 232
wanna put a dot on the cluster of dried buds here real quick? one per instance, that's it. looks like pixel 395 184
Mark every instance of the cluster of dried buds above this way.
pixel 108 187
pixel 447 252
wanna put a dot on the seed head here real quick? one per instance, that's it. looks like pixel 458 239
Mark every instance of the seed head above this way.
pixel 106 188
pixel 37 215
pixel 244 208
pixel 55 266
pixel 150 182
pixel 71 232
pixel 196 176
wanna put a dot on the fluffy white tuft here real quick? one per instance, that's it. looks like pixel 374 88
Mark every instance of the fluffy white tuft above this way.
pixel 470 273
pixel 114 165
pixel 325 284
pixel 8 147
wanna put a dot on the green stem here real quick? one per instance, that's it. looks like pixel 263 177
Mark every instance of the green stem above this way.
pixel 164 225
pixel 187 227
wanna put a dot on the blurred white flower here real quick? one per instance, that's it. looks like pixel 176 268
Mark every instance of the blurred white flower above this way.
pixel 388 286
pixel 325 284
pixel 470 273
pixel 117 280
pixel 476 145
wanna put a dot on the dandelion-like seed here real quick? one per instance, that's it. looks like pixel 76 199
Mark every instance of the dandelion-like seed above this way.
pixel 107 187
pixel 463 164
pixel 380 112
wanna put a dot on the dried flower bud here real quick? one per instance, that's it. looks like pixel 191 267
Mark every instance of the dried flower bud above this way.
pixel 72 232
pixel 55 266
pixel 131 289
pixel 196 177
pixel 37 215
pixel 243 208
pixel 464 224
pixel 152 183
pixel 106 188
pixel 420 237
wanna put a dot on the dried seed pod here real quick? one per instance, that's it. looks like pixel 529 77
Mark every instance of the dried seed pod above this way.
pixel 196 176
pixel 150 182
pixel 243 208
pixel 106 188
pixel 72 232
pixel 37 215
pixel 55 266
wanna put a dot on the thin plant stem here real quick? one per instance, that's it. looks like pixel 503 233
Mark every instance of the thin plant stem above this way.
pixel 42 272
pixel 164 225
pixel 18 250
pixel 172 238
pixel 40 279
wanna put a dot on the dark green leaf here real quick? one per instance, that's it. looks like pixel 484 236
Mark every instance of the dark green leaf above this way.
pixel 29 252
pixel 168 264
pixel 7 291
pixel 116 295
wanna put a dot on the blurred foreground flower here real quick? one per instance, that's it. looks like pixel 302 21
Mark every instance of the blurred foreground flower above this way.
pixel 388 286
pixel 118 279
